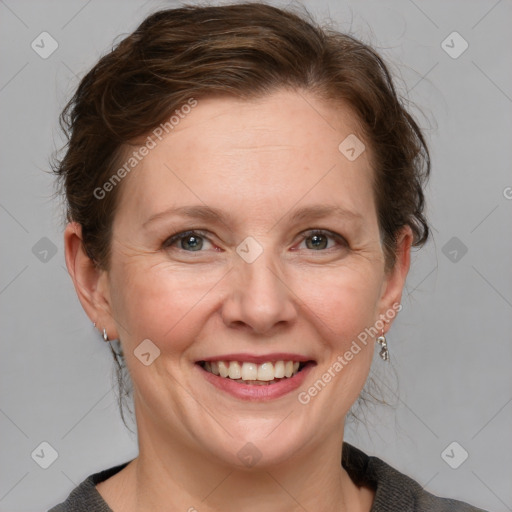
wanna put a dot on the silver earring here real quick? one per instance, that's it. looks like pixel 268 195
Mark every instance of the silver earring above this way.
pixel 105 337
pixel 384 352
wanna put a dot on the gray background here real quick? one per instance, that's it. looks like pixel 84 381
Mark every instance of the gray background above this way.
pixel 450 346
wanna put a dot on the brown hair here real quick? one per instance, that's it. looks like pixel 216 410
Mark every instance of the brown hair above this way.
pixel 245 50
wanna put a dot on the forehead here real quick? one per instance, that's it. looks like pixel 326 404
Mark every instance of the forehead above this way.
pixel 275 150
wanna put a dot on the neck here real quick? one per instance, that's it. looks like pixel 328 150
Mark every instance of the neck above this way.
pixel 168 474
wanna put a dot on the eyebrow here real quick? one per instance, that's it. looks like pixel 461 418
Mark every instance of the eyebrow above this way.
pixel 208 213
pixel 316 212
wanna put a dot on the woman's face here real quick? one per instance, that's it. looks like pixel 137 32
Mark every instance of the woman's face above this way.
pixel 254 283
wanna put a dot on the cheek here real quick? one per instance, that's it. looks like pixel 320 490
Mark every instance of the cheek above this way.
pixel 159 304
pixel 344 301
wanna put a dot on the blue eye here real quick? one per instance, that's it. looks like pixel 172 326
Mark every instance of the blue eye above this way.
pixel 191 241
pixel 320 239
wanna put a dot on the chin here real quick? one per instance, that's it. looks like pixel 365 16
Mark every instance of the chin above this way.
pixel 257 444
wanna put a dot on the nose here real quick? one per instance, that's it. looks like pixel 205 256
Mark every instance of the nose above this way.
pixel 259 298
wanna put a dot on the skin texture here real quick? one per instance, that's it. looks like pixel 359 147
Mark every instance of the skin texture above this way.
pixel 257 161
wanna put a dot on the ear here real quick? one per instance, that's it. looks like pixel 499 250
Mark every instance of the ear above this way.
pixel 91 283
pixel 394 282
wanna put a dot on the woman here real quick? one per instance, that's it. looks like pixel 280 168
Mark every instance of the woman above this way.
pixel 243 191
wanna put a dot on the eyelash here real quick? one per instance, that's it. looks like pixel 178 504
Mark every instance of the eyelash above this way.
pixel 306 234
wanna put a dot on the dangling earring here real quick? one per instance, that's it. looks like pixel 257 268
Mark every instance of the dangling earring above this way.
pixel 384 352
pixel 105 337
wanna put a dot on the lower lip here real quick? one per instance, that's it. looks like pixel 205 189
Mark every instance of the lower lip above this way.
pixel 257 392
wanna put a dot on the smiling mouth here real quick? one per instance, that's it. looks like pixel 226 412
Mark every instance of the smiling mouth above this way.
pixel 255 374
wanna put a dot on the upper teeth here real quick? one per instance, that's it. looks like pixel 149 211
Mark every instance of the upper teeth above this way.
pixel 252 371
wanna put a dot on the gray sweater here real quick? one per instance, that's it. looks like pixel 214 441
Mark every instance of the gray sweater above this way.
pixel 394 491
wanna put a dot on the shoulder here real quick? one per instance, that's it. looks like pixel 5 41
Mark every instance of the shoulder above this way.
pixel 85 497
pixel 394 490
